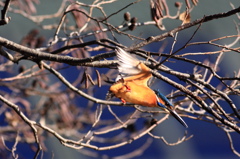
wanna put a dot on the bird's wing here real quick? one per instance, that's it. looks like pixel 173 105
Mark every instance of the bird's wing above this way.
pixel 130 68
pixel 127 63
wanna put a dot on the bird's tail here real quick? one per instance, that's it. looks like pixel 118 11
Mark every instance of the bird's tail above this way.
pixel 176 116
pixel 169 106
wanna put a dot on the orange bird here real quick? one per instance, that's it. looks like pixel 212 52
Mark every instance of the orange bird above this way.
pixel 131 85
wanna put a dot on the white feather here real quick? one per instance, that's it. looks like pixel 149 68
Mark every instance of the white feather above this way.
pixel 128 65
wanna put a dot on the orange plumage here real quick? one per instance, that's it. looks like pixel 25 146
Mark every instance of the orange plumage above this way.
pixel 131 85
pixel 129 91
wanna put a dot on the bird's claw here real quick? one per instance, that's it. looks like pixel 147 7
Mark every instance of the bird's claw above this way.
pixel 123 101
pixel 128 89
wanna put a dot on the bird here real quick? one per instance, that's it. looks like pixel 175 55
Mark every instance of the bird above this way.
pixel 131 85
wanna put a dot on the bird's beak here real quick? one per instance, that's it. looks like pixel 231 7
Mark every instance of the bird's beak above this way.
pixel 175 115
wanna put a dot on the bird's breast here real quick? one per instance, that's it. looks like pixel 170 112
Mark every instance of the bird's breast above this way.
pixel 135 93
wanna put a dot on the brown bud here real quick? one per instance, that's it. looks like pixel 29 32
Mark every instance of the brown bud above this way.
pixel 127 16
pixel 178 4
pixel 132 27
pixel 133 20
